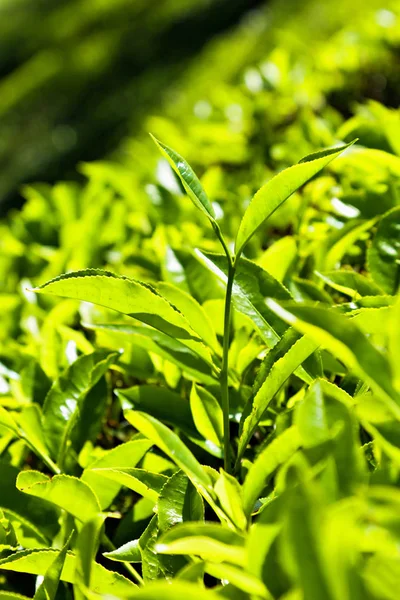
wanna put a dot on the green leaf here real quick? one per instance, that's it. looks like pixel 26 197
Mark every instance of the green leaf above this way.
pixel 278 189
pixel 239 578
pixel 279 451
pixel 345 341
pixel 383 256
pixel 129 552
pixel 251 286
pixel 279 372
pixel 193 312
pixel 127 296
pixel 351 283
pixel 48 588
pixel 324 415
pixel 229 493
pixel 27 425
pixel 143 482
pixel 155 565
pixel 188 178
pixel 302 525
pixel 178 502
pixel 209 541
pixel 178 591
pixel 86 548
pixel 207 415
pixel 169 442
pixel 36 562
pixel 34 520
pixel 63 403
pixel 66 492
pixel 123 456
pixel 162 404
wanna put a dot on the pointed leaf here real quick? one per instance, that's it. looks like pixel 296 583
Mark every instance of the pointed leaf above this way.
pixel 188 178
pixel 278 189
pixel 178 502
pixel 66 492
pixel 207 415
pixel 48 588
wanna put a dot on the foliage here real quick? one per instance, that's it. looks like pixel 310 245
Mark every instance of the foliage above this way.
pixel 185 415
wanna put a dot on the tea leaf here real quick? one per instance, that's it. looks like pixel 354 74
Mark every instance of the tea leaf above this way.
pixel 278 189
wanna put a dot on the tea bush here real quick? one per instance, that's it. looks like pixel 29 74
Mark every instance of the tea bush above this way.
pixel 199 346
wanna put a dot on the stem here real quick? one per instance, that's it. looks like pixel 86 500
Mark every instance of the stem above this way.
pixel 128 567
pixel 225 365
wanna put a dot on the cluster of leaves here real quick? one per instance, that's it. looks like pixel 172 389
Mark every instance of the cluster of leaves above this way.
pixel 225 421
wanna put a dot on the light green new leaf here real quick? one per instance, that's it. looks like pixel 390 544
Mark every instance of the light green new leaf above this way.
pixel 66 492
pixel 188 178
pixel 351 283
pixel 280 450
pixel 64 401
pixel 239 578
pixel 278 189
pixel 86 547
pixel 143 482
pixel 178 591
pixel 207 540
pixel 127 296
pixel 129 552
pixel 193 312
pixel 298 352
pixel 47 590
pixel 172 445
pixel 36 562
pixel 383 257
pixel 123 456
pixel 345 341
pixel 179 501
pixel 229 493
pixel 207 415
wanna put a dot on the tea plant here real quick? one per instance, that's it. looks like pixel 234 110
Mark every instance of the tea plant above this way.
pixel 301 404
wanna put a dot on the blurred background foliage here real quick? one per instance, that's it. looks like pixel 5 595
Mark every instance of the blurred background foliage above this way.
pixel 81 79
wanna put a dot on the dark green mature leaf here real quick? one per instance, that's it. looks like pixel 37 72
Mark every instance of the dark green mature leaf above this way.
pixel 188 178
pixel 178 502
pixel 36 562
pixel 345 341
pixel 384 253
pixel 63 403
pixel 161 403
pixel 278 189
pixel 34 520
pixel 251 286
pixel 155 565
pixel 47 590
pixel 66 492
pixel 127 296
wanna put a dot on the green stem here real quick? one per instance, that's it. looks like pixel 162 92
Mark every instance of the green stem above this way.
pixel 225 366
pixel 128 567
